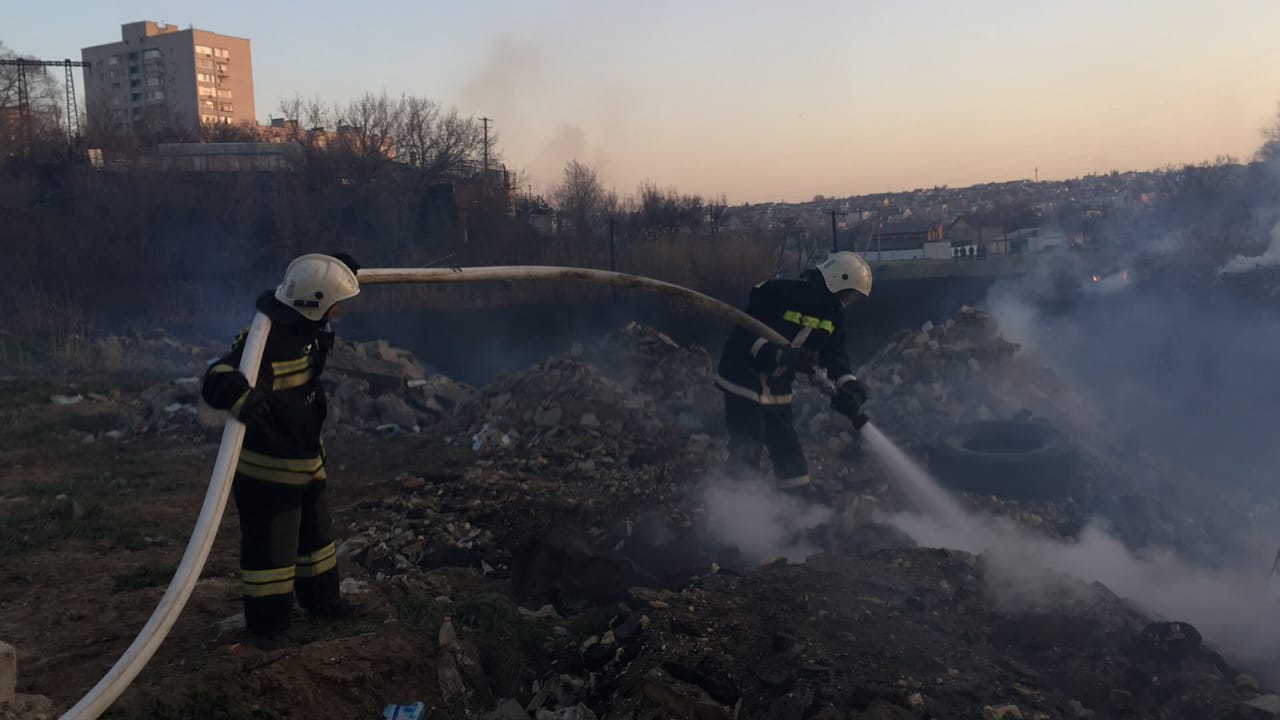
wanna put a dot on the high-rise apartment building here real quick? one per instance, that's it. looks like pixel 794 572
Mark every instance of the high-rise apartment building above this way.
pixel 164 73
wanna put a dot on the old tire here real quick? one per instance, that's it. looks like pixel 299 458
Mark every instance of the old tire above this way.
pixel 1005 458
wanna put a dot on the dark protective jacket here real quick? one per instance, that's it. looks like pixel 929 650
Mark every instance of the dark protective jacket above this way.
pixel 285 447
pixel 807 314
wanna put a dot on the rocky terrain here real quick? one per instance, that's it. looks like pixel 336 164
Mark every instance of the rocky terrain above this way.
pixel 552 546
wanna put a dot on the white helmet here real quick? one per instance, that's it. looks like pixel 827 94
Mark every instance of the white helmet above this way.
pixel 846 271
pixel 314 283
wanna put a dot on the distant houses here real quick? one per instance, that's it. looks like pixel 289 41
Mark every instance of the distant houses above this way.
pixel 907 240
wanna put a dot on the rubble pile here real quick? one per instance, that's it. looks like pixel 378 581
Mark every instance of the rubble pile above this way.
pixel 371 386
pixel 927 379
pixel 374 386
pixel 678 379
pixel 150 350
pixel 941 374
pixel 558 403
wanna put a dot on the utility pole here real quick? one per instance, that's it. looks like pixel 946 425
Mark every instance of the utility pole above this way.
pixel 1037 173
pixel 486 122
pixel 833 213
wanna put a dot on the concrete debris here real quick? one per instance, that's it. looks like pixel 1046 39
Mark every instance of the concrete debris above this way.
pixel 1001 712
pixel 28 707
pixel 940 375
pixel 230 626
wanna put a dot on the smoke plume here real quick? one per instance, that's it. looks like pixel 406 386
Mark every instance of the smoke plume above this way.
pixel 1270 258
pixel 760 521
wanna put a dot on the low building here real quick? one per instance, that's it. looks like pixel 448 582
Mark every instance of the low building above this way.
pixel 907 240
pixel 224 157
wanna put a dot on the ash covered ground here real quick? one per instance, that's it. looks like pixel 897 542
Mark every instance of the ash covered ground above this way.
pixel 570 521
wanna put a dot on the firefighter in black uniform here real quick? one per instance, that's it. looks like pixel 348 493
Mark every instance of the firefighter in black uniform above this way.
pixel 286 531
pixel 756 374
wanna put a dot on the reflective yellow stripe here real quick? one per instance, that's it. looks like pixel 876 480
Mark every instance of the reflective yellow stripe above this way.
pixel 296 464
pixel 809 321
pixel 284 587
pixel 221 368
pixel 290 471
pixel 319 562
pixel 285 477
pixel 292 381
pixel 319 568
pixel 762 282
pixel 323 553
pixel 291 366
pixel 239 403
pixel 270 575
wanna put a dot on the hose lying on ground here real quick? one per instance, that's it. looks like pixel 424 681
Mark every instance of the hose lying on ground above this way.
pixel 144 646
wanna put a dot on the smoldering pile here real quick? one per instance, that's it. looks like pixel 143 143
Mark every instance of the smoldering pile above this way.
pixel 959 371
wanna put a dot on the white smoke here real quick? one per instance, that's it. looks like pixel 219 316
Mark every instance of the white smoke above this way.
pixel 1228 604
pixel 762 522
pixel 1269 258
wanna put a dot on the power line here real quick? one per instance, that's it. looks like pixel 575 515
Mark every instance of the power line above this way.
pixel 24 95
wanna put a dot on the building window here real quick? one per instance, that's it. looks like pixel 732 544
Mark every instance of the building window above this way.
pixel 205 77
pixel 156 95
pixel 116 102
pixel 114 74
pixel 133 71
pixel 135 96
pixel 222 53
pixel 204 64
pixel 204 50
pixel 152 54
pixel 113 60
pixel 226 107
pixel 133 57
pixel 222 69
pixel 134 83
pixel 224 94
pixel 205 92
pixel 153 81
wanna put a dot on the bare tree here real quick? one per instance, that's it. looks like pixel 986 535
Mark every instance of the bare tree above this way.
pixel 366 134
pixel 580 198
pixel 434 142
pixel 717 208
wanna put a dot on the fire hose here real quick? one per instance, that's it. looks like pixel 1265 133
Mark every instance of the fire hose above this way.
pixel 162 619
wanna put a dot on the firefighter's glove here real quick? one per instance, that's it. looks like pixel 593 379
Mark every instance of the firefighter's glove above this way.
pixel 848 401
pixel 797 359
pixel 256 408
pixel 856 390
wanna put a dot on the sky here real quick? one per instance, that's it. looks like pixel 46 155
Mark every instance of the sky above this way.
pixel 764 101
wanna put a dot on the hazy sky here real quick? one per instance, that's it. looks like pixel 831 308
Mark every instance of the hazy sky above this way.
pixel 765 100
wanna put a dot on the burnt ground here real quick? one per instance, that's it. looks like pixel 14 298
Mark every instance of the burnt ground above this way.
pixel 567 557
